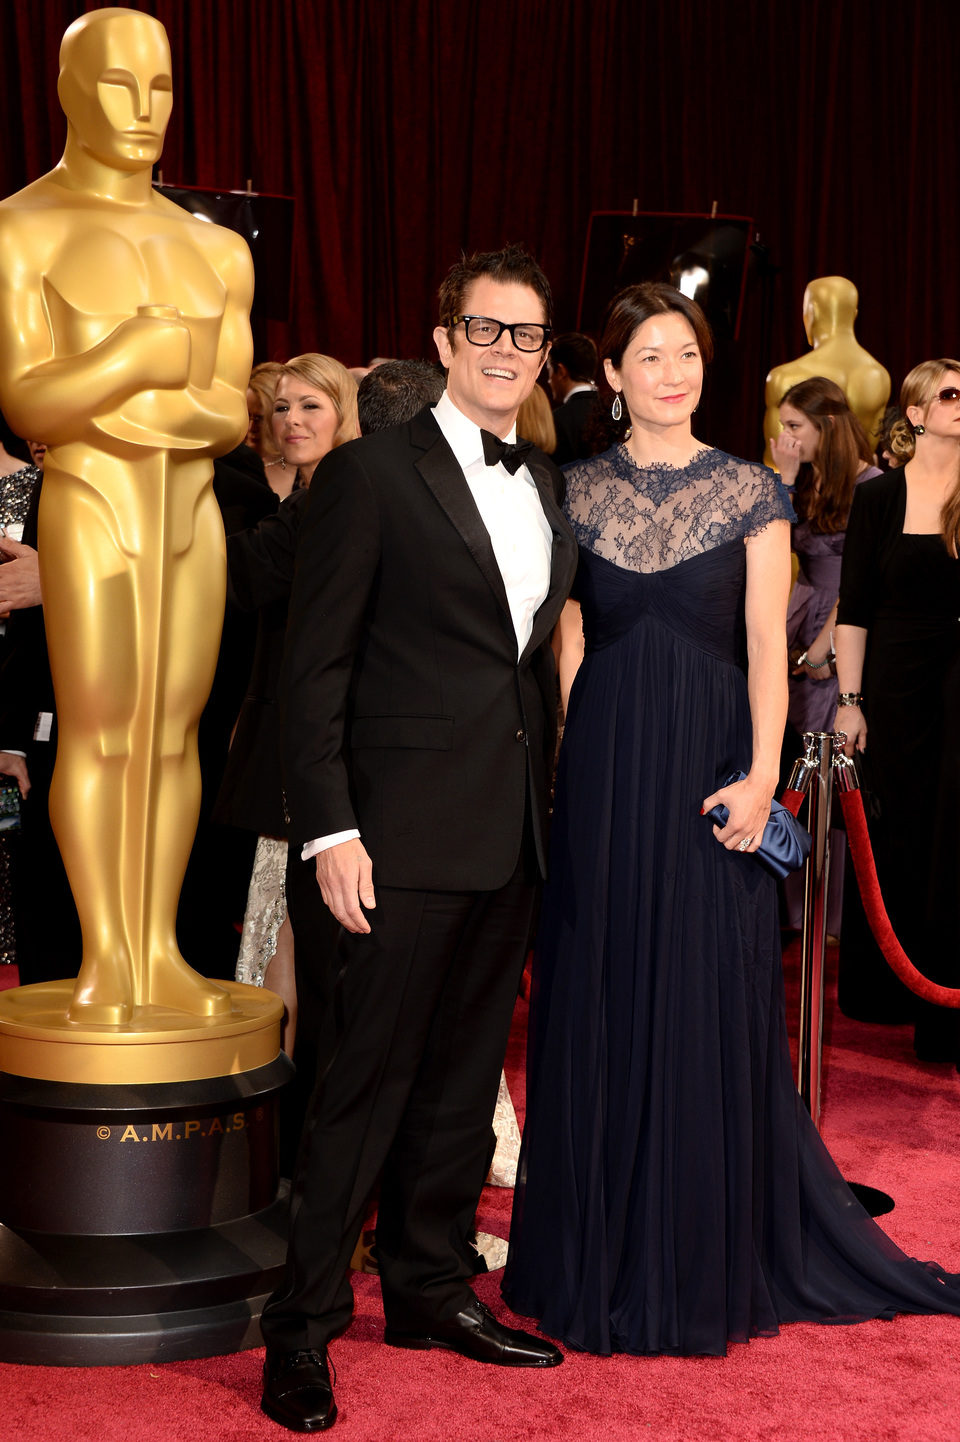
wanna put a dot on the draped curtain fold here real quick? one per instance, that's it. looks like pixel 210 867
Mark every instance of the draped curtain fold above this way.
pixel 409 130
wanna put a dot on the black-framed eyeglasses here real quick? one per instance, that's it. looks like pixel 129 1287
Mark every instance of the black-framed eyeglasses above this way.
pixel 483 330
pixel 948 395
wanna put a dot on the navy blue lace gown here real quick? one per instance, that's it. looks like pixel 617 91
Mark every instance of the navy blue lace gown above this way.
pixel 673 1195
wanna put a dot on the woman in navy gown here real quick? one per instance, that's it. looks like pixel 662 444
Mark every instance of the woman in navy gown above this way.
pixel 673 1193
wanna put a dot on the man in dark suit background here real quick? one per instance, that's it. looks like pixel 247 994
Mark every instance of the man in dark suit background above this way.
pixel 419 693
pixel 571 376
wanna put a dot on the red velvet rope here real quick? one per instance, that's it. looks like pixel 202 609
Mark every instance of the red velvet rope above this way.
pixel 792 800
pixel 858 838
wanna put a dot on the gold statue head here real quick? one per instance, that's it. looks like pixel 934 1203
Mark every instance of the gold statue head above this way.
pixel 829 306
pixel 115 87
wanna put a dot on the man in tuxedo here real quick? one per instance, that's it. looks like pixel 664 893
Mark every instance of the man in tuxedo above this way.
pixel 419 698
pixel 571 375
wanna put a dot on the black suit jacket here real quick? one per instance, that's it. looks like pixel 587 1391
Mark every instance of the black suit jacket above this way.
pixel 260 568
pixel 572 420
pixel 407 713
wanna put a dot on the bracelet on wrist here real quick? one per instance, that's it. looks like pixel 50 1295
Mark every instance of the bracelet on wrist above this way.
pixel 815 665
pixel 849 698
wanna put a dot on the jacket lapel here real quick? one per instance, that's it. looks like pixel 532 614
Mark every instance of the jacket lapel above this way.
pixel 563 562
pixel 439 469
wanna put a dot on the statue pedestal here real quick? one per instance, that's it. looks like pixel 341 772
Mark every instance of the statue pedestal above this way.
pixel 140 1212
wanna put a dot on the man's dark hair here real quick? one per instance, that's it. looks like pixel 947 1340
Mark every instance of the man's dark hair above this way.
pixel 395 391
pixel 511 266
pixel 577 352
pixel 12 443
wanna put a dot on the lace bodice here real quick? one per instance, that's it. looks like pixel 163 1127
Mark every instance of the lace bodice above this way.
pixel 653 518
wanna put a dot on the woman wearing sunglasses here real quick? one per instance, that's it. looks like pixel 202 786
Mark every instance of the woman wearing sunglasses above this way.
pixel 898 666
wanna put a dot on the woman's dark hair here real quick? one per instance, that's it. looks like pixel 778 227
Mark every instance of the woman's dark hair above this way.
pixel 824 489
pixel 627 313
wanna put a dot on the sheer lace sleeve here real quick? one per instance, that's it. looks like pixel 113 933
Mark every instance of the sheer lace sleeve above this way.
pixel 653 518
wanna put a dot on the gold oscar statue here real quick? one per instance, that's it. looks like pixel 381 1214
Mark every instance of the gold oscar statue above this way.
pixel 829 311
pixel 125 342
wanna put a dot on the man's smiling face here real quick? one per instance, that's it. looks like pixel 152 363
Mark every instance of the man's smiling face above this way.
pixel 488 383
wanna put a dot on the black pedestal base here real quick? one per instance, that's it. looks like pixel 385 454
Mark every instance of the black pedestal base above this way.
pixel 138 1223
pixel 109 1301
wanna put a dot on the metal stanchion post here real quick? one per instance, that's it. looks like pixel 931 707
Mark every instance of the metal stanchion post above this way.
pixel 817 782
pixel 844 773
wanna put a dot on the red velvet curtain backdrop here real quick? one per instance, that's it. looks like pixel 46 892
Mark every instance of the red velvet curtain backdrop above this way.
pixel 409 129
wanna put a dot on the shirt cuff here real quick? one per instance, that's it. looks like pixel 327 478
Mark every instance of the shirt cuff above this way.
pixel 324 843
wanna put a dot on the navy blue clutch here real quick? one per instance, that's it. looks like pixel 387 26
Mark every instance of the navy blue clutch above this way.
pixel 785 845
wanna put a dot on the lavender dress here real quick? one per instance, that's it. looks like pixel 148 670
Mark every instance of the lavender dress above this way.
pixel 813 704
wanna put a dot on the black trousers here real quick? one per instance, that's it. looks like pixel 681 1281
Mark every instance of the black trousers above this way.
pixel 316 934
pixel 422 1015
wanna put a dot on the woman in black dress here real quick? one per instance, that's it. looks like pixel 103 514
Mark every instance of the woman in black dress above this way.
pixel 673 1194
pixel 314 411
pixel 898 643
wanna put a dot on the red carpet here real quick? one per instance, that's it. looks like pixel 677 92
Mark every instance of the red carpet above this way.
pixel 891 1123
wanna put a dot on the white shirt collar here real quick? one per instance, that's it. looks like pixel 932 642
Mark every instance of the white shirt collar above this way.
pixel 461 433
pixel 580 386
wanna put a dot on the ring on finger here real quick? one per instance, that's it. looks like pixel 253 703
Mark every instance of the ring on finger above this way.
pixel 745 843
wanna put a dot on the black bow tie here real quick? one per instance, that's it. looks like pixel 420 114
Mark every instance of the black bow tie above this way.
pixel 495 450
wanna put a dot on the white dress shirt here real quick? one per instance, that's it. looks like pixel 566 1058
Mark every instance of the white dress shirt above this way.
pixel 577 388
pixel 519 533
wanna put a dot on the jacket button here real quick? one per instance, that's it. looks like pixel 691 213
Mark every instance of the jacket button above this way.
pixel 521 736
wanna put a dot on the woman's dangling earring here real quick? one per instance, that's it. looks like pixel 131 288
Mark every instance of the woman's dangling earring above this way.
pixel 616 410
pixel 919 430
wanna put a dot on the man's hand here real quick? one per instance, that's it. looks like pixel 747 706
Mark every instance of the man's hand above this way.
pixel 15 766
pixel 345 878
pixel 19 576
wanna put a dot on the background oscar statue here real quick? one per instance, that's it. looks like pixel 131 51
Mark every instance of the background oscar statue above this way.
pixel 139 1208
pixel 829 311
pixel 126 343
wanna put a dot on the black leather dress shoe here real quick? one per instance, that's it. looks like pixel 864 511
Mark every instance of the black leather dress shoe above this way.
pixel 475 1333
pixel 297 1391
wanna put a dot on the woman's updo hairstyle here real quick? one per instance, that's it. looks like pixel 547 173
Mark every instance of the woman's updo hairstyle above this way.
pixel 627 312
pixel 897 437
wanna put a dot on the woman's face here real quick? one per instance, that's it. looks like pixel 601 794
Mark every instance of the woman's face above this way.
pixel 802 430
pixel 661 374
pixel 305 423
pixel 254 420
pixel 940 418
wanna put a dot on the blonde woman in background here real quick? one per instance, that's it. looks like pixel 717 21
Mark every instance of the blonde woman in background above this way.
pixel 261 389
pixel 314 411
pixel 898 667
pixel 535 421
